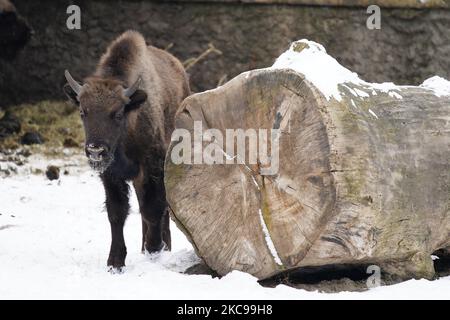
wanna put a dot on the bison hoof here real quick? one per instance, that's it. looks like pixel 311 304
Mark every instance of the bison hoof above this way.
pixel 116 261
pixel 155 249
pixel 114 270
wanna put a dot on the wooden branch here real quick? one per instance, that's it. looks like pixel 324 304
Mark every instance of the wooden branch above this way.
pixel 189 63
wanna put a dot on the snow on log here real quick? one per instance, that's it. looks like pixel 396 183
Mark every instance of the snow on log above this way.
pixel 362 175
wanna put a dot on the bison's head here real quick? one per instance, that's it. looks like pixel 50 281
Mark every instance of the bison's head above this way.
pixel 104 107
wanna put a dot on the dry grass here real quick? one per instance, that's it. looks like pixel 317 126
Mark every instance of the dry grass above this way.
pixel 56 121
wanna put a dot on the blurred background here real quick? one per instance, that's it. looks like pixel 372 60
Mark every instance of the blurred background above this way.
pixel 215 39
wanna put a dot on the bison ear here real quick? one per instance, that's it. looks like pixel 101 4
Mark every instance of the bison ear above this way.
pixel 71 94
pixel 136 99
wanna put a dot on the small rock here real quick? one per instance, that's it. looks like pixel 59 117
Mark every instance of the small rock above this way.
pixel 24 199
pixel 31 138
pixel 12 167
pixel 9 125
pixel 36 171
pixel 52 172
pixel 17 159
pixel 7 168
pixel 24 152
pixel 66 172
pixel 70 143
pixel 7 152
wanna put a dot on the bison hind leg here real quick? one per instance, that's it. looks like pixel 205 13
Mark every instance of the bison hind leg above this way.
pixel 153 207
pixel 165 228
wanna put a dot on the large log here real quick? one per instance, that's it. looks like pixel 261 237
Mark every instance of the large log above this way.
pixel 364 171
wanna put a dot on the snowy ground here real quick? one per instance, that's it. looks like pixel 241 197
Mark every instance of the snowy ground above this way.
pixel 54 241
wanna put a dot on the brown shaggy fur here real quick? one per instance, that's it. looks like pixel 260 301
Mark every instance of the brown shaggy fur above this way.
pixel 164 79
pixel 133 132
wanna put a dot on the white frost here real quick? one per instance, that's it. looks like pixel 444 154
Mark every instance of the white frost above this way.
pixel 440 86
pixel 269 241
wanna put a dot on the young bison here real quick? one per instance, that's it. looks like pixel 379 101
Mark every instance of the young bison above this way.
pixel 127 107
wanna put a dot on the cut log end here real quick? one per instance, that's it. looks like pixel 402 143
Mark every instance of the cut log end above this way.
pixel 252 210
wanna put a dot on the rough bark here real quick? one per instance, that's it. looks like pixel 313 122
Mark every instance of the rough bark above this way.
pixel 354 185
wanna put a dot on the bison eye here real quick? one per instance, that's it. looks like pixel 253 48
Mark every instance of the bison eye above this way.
pixel 82 113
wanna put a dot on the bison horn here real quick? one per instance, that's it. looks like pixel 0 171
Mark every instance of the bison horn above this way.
pixel 131 90
pixel 76 87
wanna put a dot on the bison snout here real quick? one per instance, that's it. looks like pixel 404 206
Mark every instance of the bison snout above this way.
pixel 95 152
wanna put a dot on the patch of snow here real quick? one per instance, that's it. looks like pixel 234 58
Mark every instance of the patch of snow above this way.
pixel 317 66
pixel 394 94
pixel 324 72
pixel 361 93
pixel 440 86
pixel 385 87
pixel 352 91
pixel 55 243
pixel 269 241
pixel 353 104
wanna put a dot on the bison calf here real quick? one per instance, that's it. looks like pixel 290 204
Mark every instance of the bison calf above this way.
pixel 127 107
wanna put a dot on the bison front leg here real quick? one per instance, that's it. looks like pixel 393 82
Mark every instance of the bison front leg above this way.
pixel 117 206
pixel 152 203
